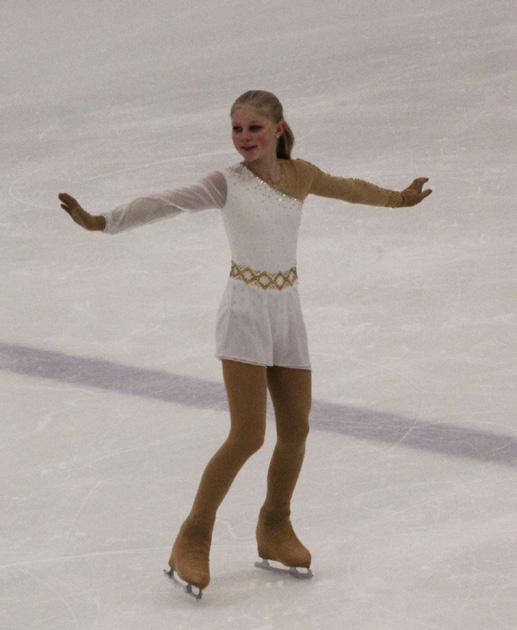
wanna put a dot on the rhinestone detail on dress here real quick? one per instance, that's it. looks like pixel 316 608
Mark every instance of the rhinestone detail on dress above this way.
pixel 244 171
pixel 264 279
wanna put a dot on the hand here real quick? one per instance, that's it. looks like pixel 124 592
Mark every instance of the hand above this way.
pixel 78 214
pixel 413 194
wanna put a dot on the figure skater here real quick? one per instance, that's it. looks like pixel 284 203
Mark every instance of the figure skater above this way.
pixel 260 333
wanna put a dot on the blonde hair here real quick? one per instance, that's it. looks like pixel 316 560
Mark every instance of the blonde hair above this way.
pixel 268 105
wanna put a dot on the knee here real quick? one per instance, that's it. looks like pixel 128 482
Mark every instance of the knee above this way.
pixel 247 443
pixel 294 433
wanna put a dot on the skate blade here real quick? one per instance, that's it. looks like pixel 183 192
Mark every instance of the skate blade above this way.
pixel 294 571
pixel 188 588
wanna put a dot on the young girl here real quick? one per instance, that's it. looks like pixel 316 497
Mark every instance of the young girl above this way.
pixel 260 333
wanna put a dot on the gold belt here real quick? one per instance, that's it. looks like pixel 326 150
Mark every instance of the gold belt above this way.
pixel 264 279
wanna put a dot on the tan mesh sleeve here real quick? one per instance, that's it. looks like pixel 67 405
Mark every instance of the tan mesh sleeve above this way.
pixel 350 189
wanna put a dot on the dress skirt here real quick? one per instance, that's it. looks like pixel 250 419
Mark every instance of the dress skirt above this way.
pixel 263 327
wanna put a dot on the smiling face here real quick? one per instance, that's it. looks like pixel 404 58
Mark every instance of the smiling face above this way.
pixel 253 134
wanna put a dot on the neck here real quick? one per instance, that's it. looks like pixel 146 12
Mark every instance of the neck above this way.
pixel 266 167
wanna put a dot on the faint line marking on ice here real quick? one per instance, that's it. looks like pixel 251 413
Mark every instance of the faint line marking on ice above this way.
pixel 404 436
pixel 24 201
pixel 137 167
pixel 45 131
pixel 160 442
pixel 80 556
pixel 80 509
pixel 230 529
pixel 58 595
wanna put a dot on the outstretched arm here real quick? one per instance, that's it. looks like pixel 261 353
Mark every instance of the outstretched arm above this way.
pixel 209 192
pixel 356 190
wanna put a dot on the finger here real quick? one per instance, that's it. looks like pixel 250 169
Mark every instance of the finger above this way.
pixel 67 198
pixel 419 181
pixel 69 208
pixel 423 195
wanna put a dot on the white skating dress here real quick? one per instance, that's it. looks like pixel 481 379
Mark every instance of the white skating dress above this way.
pixel 259 319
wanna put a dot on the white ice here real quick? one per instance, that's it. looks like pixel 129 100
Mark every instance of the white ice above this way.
pixel 111 399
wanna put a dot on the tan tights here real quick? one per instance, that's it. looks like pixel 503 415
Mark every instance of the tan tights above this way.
pixel 246 387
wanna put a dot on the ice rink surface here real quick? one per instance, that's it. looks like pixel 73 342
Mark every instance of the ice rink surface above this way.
pixel 112 401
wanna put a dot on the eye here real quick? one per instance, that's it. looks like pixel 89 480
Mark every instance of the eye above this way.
pixel 253 127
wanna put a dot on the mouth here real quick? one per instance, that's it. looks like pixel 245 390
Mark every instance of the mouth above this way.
pixel 248 148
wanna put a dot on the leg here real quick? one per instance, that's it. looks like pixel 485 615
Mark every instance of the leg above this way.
pixel 247 390
pixel 291 394
pixel 290 391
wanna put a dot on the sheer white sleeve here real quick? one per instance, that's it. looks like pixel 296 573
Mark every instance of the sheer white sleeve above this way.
pixel 209 192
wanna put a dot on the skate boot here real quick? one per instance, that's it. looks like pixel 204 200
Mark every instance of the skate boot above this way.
pixel 189 558
pixel 277 541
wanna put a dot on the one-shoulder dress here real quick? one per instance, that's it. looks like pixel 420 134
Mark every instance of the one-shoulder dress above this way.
pixel 259 319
